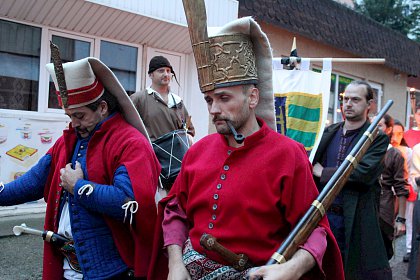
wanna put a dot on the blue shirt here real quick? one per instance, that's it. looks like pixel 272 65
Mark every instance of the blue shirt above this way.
pixel 95 247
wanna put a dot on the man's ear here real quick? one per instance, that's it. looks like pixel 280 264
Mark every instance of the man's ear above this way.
pixel 103 106
pixel 254 97
pixel 370 102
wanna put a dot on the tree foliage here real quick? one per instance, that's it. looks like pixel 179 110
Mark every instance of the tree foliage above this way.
pixel 400 15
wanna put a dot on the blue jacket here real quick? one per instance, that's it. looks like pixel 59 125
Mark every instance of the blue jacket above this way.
pixel 94 244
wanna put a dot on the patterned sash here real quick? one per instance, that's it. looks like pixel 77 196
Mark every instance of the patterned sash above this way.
pixel 202 268
pixel 69 253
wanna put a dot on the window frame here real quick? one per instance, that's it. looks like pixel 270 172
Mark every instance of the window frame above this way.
pixel 336 106
pixel 410 107
pixel 140 54
pixel 43 97
pixel 43 111
pixel 40 63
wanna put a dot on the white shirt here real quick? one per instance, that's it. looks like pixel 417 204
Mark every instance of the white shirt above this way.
pixel 64 229
pixel 171 97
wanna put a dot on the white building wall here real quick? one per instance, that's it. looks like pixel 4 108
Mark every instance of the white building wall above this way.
pixel 219 12
pixel 166 13
pixel 195 103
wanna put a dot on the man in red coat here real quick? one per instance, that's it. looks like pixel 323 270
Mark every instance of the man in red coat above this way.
pixel 246 185
pixel 99 181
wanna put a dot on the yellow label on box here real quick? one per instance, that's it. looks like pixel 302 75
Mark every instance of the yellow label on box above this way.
pixel 21 152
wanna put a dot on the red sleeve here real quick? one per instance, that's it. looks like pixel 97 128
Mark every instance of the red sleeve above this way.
pixel 316 245
pixel 174 225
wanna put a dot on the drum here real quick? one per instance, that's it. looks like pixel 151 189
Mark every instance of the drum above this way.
pixel 170 149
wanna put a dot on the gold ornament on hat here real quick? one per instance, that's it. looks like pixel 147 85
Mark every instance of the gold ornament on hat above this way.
pixel 232 60
pixel 59 73
pixel 223 60
pixel 238 53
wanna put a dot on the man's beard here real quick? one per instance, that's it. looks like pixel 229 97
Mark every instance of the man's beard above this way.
pixel 353 117
pixel 222 129
pixel 164 82
pixel 237 123
pixel 83 131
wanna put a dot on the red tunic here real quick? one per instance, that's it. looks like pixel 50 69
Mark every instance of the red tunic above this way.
pixel 249 198
pixel 412 137
pixel 116 143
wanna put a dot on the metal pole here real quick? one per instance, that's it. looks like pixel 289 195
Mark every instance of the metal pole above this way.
pixel 287 60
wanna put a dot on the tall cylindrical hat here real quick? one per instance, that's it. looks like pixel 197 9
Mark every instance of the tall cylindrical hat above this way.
pixel 238 53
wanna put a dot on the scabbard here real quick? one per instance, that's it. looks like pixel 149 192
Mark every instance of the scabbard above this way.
pixel 55 238
pixel 62 243
pixel 239 262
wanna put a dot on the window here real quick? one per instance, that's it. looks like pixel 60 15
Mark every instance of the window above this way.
pixel 19 66
pixel 122 60
pixel 338 86
pixel 339 90
pixel 332 103
pixel 332 106
pixel 413 104
pixel 377 98
pixel 23 84
pixel 70 50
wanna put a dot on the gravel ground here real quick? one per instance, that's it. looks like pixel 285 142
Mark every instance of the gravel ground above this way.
pixel 399 268
pixel 21 258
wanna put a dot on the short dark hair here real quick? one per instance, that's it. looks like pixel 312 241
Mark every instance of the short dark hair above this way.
pixel 389 121
pixel 369 90
pixel 246 87
pixel 111 101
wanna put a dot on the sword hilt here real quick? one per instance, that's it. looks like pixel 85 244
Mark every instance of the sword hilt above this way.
pixel 237 261
pixel 54 238
pixel 18 230
pixel 47 235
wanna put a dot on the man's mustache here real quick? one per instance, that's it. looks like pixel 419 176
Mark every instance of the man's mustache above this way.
pixel 215 119
pixel 81 130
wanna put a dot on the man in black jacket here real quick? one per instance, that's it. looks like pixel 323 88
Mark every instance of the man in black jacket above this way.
pixel 353 214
